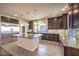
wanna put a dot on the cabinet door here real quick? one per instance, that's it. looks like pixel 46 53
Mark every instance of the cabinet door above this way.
pixel 74 16
pixel 64 26
pixel 30 24
pixel 9 20
pixel 51 23
pixel 4 19
pixel 55 23
pixel 14 21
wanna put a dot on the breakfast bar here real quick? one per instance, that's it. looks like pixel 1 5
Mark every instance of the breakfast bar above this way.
pixel 31 42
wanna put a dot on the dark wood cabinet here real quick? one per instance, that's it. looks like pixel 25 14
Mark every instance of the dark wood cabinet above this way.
pixel 70 51
pixel 58 22
pixel 54 23
pixel 64 22
pixel 50 23
pixel 50 37
pixel 30 24
pixel 5 19
pixel 9 20
pixel 74 15
pixel 14 21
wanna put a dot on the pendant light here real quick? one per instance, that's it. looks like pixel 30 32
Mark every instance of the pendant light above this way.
pixel 35 13
pixel 27 15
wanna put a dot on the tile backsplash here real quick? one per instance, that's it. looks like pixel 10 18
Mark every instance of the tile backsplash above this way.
pixel 57 31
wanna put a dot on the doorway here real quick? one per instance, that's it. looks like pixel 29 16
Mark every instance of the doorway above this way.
pixel 23 31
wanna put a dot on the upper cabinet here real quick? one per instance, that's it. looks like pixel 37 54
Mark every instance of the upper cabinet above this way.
pixel 58 22
pixel 9 20
pixel 64 22
pixel 30 24
pixel 14 21
pixel 74 15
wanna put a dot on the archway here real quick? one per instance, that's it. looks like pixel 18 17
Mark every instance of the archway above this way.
pixel 42 27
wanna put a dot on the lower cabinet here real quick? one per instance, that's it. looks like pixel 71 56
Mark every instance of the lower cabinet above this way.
pixel 50 37
pixel 69 51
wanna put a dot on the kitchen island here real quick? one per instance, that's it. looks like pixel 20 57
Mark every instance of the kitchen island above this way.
pixel 30 42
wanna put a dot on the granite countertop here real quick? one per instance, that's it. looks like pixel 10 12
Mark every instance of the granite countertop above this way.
pixel 32 36
pixel 9 33
pixel 41 33
pixel 65 41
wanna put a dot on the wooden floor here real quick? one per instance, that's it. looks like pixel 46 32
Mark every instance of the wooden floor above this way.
pixel 4 53
pixel 46 48
pixel 7 39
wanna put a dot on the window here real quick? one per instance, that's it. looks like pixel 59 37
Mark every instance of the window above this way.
pixel 15 29
pixel 5 29
pixel 42 27
pixel 9 29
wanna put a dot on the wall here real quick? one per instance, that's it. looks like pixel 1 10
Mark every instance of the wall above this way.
pixel 37 22
pixel 62 32
pixel 23 23
pixel 58 31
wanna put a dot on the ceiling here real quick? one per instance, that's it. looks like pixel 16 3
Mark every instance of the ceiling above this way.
pixel 27 10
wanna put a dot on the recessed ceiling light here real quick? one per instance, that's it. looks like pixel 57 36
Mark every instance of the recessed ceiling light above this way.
pixel 75 11
pixel 37 17
pixel 35 23
pixel 66 6
pixel 63 9
pixel 69 12
pixel 27 23
pixel 54 15
pixel 16 15
pixel 22 24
